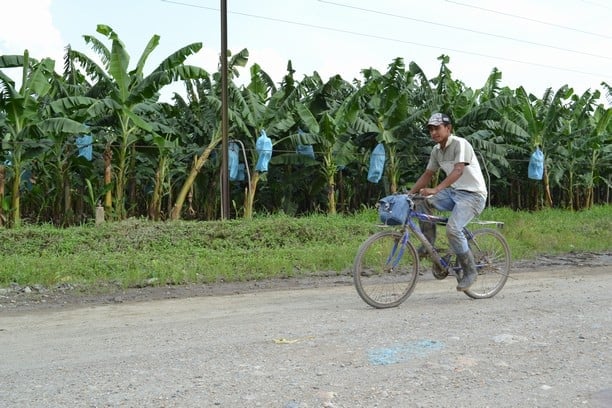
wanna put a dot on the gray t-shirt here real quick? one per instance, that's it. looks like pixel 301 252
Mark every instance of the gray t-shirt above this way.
pixel 459 150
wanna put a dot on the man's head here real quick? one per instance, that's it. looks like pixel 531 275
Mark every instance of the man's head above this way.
pixel 438 119
pixel 440 128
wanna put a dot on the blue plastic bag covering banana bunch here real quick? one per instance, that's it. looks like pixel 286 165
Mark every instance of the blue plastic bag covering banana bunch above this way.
pixel 232 163
pixel 535 171
pixel 84 144
pixel 304 150
pixel 377 164
pixel 264 150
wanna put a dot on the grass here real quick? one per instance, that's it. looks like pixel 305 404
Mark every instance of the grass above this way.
pixel 141 252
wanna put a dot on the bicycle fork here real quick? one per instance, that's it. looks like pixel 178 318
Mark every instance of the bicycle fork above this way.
pixel 402 247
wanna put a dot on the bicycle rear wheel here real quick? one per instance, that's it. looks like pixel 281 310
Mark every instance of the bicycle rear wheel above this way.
pixel 384 270
pixel 492 256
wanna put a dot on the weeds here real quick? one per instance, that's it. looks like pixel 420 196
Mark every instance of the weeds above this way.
pixel 141 252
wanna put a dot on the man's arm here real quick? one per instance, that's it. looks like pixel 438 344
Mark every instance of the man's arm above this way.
pixel 422 182
pixel 450 179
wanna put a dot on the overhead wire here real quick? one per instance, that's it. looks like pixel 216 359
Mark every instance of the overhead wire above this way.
pixel 529 19
pixel 464 29
pixel 596 3
pixel 378 37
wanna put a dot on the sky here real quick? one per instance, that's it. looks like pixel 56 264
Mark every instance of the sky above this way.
pixel 537 44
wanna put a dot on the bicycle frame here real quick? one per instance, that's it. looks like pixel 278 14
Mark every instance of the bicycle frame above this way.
pixel 411 226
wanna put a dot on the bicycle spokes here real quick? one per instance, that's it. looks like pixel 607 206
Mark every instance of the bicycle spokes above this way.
pixel 385 269
pixel 492 257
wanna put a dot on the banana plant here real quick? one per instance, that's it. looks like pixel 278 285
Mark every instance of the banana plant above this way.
pixel 202 116
pixel 125 94
pixel 582 148
pixel 328 116
pixel 160 184
pixel 158 155
pixel 382 107
pixel 26 120
pixel 601 142
pixel 542 120
pixel 263 107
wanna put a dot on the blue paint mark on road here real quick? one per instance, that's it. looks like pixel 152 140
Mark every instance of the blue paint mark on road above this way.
pixel 403 352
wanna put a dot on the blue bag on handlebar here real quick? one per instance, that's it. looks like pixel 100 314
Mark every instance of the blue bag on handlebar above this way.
pixel 393 209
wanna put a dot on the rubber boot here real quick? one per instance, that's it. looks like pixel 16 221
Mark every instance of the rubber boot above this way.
pixel 429 230
pixel 468 265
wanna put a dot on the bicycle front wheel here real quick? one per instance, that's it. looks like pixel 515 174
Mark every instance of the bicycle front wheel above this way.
pixel 385 270
pixel 492 257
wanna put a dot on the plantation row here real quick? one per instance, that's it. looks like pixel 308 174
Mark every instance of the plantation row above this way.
pixel 98 136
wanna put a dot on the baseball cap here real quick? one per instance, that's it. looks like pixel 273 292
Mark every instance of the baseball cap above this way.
pixel 438 119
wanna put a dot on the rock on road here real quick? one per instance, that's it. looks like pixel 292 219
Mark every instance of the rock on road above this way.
pixel 544 341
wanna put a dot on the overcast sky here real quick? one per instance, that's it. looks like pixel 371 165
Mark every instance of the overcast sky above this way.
pixel 536 44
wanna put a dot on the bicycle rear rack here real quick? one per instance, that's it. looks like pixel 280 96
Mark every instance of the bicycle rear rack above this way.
pixel 498 224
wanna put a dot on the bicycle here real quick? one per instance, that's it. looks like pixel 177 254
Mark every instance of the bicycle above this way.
pixel 387 265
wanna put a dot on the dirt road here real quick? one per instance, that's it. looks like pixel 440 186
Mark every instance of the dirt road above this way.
pixel 544 341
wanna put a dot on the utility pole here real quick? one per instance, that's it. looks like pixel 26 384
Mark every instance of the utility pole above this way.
pixel 225 202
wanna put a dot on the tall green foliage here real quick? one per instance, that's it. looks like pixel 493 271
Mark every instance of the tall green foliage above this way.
pixel 163 160
pixel 26 120
pixel 128 93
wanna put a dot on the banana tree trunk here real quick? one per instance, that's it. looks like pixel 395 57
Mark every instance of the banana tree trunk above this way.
pixel 131 183
pixel 547 188
pixel 570 188
pixel 330 173
pixel 249 196
pixel 120 182
pixel 2 186
pixel 393 171
pixel 195 169
pixel 108 178
pixel 15 197
pixel 68 210
pixel 155 204
pixel 331 195
pixel 590 201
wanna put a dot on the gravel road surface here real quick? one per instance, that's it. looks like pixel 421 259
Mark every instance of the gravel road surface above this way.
pixel 544 341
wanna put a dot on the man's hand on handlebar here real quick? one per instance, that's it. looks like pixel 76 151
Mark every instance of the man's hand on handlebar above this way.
pixel 427 192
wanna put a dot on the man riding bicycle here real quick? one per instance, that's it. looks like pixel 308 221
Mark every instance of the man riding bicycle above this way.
pixel 463 192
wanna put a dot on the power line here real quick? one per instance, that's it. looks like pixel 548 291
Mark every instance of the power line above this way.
pixel 464 29
pixel 595 3
pixel 319 27
pixel 530 19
